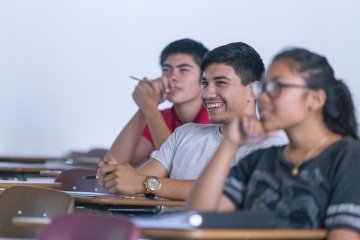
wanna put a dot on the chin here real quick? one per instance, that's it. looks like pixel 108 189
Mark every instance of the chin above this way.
pixel 216 120
pixel 269 126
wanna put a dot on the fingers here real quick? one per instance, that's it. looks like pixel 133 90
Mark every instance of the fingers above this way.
pixel 161 87
pixel 102 163
pixel 148 94
pixel 245 130
pixel 253 129
pixel 110 160
pixel 121 178
pixel 165 84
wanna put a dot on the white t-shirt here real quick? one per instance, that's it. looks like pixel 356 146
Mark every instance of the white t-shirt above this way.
pixel 191 146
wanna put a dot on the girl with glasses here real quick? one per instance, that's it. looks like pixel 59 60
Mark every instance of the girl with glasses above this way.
pixel 312 181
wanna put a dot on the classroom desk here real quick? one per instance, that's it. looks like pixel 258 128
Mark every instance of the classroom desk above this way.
pixel 32 168
pixel 240 234
pixel 12 167
pixel 30 159
pixel 127 204
pixel 224 234
pixel 126 200
pixel 7 184
pixel 31 222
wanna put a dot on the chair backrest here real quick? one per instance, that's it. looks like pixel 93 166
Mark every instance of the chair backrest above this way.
pixel 25 201
pixel 73 180
pixel 90 227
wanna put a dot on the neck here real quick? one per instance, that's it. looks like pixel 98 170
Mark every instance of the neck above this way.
pixel 308 140
pixel 186 112
pixel 303 137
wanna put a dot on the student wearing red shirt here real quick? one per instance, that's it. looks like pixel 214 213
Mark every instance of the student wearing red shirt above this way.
pixel 179 84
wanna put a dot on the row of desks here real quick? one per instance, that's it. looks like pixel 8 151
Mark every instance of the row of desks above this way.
pixel 36 165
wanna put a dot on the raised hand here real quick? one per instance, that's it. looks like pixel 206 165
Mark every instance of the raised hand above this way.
pixel 245 130
pixel 150 93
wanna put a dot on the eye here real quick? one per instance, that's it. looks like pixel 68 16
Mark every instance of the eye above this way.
pixel 273 88
pixel 184 69
pixel 204 83
pixel 220 83
pixel 165 69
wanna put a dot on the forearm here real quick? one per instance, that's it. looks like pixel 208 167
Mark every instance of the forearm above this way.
pixel 208 189
pixel 123 148
pixel 343 233
pixel 170 188
pixel 157 126
pixel 175 189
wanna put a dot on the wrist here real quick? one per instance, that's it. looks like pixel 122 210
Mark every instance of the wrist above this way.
pixel 151 185
pixel 232 145
pixel 148 110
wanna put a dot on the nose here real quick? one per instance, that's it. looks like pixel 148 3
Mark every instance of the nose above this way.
pixel 173 75
pixel 209 91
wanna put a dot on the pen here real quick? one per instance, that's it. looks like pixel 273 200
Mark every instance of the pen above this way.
pixel 90 177
pixel 135 78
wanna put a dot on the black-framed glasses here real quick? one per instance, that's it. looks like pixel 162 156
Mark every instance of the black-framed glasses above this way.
pixel 272 88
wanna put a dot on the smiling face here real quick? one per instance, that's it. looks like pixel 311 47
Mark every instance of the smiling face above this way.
pixel 291 106
pixel 223 94
pixel 183 74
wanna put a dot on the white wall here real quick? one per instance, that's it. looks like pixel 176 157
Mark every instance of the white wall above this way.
pixel 64 64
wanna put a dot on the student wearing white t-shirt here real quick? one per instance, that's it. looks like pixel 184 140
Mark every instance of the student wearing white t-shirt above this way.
pixel 228 73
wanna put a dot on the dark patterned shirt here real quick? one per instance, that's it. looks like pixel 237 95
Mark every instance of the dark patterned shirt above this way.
pixel 326 192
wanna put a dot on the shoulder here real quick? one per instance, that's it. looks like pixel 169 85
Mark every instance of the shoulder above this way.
pixel 344 154
pixel 277 139
pixel 349 143
pixel 195 131
pixel 196 128
pixel 346 148
pixel 264 154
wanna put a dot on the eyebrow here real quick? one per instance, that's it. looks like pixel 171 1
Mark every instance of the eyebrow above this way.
pixel 178 66
pixel 221 78
pixel 217 78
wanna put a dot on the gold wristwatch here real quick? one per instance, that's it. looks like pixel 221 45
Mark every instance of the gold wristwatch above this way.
pixel 152 185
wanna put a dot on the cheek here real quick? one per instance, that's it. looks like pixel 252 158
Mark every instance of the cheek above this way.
pixel 289 113
pixel 235 100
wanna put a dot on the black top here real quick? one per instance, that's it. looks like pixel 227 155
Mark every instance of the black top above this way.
pixel 326 192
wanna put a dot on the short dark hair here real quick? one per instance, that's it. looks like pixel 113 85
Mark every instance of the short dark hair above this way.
pixel 339 110
pixel 186 46
pixel 245 61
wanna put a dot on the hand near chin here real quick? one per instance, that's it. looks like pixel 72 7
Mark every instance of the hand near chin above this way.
pixel 149 93
pixel 245 130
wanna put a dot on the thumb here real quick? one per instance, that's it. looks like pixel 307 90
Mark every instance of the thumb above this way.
pixel 110 160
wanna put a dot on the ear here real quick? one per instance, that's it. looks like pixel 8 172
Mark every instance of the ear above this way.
pixel 250 97
pixel 317 99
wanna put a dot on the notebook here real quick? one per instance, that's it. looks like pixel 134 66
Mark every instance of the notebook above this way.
pixel 202 220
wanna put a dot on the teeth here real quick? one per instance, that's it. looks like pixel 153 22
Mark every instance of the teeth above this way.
pixel 213 105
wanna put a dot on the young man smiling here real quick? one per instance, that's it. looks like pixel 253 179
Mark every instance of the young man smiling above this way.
pixel 228 72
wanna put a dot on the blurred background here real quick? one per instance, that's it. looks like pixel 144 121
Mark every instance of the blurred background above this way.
pixel 64 64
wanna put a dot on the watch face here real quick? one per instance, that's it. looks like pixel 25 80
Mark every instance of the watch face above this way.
pixel 153 184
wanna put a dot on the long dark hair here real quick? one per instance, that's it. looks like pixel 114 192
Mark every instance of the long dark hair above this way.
pixel 339 110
